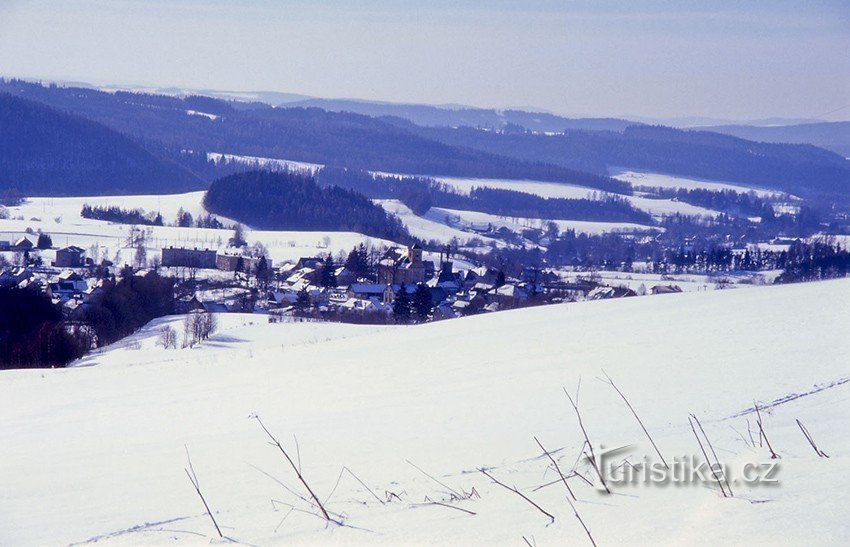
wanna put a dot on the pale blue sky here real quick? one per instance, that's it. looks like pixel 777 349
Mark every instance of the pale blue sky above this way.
pixel 738 60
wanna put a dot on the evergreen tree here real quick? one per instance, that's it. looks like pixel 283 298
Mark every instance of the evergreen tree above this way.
pixel 302 302
pixel 358 262
pixel 44 241
pixel 184 218
pixel 422 303
pixel 262 271
pixel 402 305
pixel 328 278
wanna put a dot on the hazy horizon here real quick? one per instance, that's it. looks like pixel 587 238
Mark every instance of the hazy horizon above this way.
pixel 659 60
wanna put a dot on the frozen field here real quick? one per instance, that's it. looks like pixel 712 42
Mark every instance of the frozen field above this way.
pixel 97 452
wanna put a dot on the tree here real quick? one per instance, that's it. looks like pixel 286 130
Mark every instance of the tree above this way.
pixel 302 302
pixel 184 218
pixel 263 272
pixel 167 337
pixel 358 262
pixel 141 257
pixel 238 238
pixel 422 302
pixel 402 305
pixel 500 278
pixel 44 241
pixel 240 266
pixel 328 277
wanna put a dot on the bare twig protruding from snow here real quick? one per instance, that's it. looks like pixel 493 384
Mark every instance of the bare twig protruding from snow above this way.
pixel 635 414
pixel 592 455
pixel 193 478
pixel 447 487
pixel 809 438
pixel 363 484
pixel 557 467
pixel 313 495
pixel 705 455
pixel 518 493
pixel 432 502
pixel 773 454
pixel 713 453
pixel 564 479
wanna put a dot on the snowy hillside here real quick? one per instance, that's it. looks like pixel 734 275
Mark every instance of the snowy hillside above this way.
pixel 97 452
pixel 60 217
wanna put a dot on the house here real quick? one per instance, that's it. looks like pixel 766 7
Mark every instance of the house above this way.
pixel 344 276
pixel 604 293
pixel 69 257
pixel 188 304
pixel 402 266
pixel 665 289
pixel 14 277
pixel 233 261
pixel 188 258
pixel 509 295
pixel 365 291
pixel 5 245
pixel 23 244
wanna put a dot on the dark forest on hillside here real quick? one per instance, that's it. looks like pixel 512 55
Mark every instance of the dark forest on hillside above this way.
pixel 293 201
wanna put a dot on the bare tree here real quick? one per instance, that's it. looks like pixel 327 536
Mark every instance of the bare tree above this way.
pixel 167 337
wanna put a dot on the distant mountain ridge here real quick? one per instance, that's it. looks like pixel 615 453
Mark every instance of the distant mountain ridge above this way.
pixel 179 130
pixel 47 152
pixel 834 136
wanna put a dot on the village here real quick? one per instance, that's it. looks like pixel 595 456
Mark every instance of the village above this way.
pixel 396 284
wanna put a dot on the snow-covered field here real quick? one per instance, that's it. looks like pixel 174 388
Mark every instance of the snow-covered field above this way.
pixel 655 207
pixel 97 453
pixel 60 217
pixel 428 227
pixel 643 282
pixel 660 180
pixel 517 224
pixel 266 162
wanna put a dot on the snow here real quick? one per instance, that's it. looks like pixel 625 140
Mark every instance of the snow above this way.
pixel 655 207
pixel 60 217
pixel 266 162
pixel 202 114
pixel 660 180
pixel 517 224
pixel 430 226
pixel 98 451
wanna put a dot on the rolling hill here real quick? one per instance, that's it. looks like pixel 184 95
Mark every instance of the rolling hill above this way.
pixel 387 421
pixel 47 152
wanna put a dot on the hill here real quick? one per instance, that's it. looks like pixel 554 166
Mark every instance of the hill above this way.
pixel 416 411
pixel 47 152
pixel 797 168
pixel 292 201
pixel 309 135
pixel 834 136
pixel 442 116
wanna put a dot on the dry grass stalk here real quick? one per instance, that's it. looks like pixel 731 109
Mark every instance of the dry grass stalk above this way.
pixel 592 455
pixel 193 478
pixel 809 438
pixel 518 493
